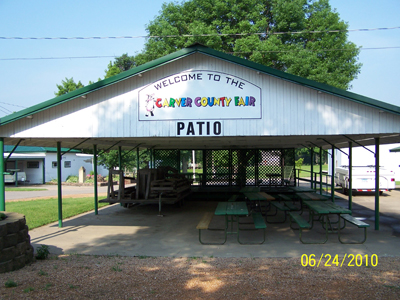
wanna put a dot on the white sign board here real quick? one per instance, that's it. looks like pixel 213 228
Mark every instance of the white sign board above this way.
pixel 199 95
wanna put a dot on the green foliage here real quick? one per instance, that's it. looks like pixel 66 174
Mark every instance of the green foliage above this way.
pixel 121 64
pixel 68 85
pixel 299 163
pixel 42 252
pixel 10 283
pixel 109 159
pixel 29 289
pixel 2 216
pixel 72 179
pixel 299 54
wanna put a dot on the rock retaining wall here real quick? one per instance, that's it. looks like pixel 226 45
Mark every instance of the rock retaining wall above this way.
pixel 16 250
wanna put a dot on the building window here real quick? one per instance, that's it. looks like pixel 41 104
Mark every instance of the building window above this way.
pixel 67 164
pixel 32 165
pixel 54 164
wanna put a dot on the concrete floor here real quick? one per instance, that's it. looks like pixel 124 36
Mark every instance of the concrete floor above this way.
pixel 138 231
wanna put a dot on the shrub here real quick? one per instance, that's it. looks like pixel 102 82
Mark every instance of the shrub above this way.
pixel 42 252
pixel 72 179
pixel 10 283
pixel 2 216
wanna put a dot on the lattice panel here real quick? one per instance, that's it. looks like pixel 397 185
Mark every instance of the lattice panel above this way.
pixel 216 167
pixel 166 158
pixel 270 167
pixel 244 171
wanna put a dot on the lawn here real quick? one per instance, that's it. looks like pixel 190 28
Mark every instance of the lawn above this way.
pixel 23 189
pixel 42 212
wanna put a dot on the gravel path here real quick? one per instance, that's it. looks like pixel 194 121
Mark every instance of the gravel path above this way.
pixel 117 277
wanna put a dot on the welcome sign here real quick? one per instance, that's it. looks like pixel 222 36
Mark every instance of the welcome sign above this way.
pixel 200 95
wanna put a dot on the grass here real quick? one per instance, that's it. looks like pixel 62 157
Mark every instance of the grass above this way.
pixel 22 189
pixel 45 211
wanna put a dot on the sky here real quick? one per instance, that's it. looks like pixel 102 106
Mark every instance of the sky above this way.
pixel 29 77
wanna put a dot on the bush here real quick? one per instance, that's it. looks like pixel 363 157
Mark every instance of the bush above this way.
pixel 72 179
pixel 10 283
pixel 299 163
pixel 42 252
pixel 2 216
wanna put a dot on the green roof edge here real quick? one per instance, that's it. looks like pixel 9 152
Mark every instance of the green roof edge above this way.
pixel 205 50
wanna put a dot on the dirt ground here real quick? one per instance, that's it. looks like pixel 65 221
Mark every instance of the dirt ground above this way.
pixel 117 277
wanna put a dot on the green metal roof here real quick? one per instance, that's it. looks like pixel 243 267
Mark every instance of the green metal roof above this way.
pixel 197 48
pixel 31 149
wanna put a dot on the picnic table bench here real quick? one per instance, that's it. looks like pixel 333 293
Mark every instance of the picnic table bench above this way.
pixel 301 222
pixel 356 222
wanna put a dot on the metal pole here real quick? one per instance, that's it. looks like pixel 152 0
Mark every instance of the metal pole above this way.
pixel 333 175
pixel 59 180
pixel 312 166
pixel 120 167
pixel 16 172
pixel 320 170
pixel 2 186
pixel 350 175
pixel 96 208
pixel 137 160
pixel 376 183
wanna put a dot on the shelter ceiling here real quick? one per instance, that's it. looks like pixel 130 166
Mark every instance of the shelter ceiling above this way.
pixel 234 142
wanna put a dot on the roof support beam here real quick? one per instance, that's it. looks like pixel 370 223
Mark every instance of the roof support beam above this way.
pixel 101 152
pixel 75 146
pixel 334 147
pixel 12 151
pixel 358 144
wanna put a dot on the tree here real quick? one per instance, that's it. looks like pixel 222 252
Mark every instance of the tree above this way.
pixel 121 64
pixel 259 30
pixel 67 85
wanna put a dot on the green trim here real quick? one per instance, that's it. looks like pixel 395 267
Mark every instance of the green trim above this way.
pixel 197 48
pixel 395 149
pixel 32 149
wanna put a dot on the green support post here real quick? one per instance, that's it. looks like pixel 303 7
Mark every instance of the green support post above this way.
pixel 96 206
pixel 333 175
pixel 16 172
pixel 350 175
pixel 320 170
pixel 59 181
pixel 2 185
pixel 376 183
pixel 312 167
pixel 137 159
pixel 120 161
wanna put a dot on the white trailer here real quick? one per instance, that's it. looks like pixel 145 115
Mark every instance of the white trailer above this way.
pixel 363 179
pixel 13 174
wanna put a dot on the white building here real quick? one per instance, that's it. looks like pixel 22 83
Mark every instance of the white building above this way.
pixel 40 163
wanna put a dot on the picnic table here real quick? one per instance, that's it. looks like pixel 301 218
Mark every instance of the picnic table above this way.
pixel 306 196
pixel 323 210
pixel 301 189
pixel 232 212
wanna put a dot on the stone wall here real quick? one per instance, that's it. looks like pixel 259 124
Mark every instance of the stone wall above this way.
pixel 16 250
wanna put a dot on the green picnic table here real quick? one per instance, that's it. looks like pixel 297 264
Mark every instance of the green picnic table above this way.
pixel 323 210
pixel 232 212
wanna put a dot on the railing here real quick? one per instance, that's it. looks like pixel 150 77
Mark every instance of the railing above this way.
pixel 320 182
